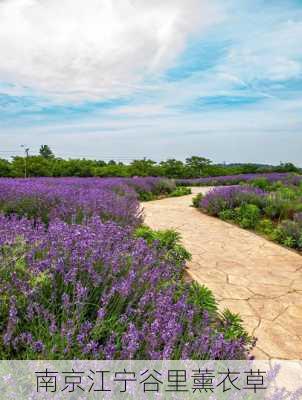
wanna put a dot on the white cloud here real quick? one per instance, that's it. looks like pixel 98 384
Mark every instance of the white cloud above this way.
pixel 76 50
pixel 272 52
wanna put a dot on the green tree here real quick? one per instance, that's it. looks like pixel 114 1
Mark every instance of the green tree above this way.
pixel 46 152
pixel 35 165
pixel 5 167
pixel 112 170
pixel 172 168
pixel 196 165
pixel 143 167
pixel 287 167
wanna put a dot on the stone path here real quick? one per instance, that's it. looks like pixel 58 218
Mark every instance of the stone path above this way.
pixel 248 274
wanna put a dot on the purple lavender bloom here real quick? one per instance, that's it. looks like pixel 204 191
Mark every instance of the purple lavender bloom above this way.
pixel 230 197
pixel 38 346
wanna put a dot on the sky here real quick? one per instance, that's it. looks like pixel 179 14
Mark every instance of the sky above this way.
pixel 127 79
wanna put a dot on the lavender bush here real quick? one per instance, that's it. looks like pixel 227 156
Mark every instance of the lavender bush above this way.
pixel 225 198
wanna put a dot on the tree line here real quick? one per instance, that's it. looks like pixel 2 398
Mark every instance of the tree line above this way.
pixel 47 164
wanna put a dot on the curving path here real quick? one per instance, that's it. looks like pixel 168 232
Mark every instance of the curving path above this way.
pixel 248 274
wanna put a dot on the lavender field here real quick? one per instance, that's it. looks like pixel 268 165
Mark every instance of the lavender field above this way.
pixel 227 180
pixel 81 277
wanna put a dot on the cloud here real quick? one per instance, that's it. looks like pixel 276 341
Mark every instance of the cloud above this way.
pixel 270 50
pixel 77 50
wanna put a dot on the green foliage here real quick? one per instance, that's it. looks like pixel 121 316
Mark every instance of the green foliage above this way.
pixel 227 215
pixel 289 242
pixel 169 240
pixel 180 191
pixel 81 168
pixel 203 297
pixel 287 193
pixel 276 186
pixel 196 165
pixel 276 234
pixel 266 226
pixel 288 234
pixel 34 165
pixel 264 184
pixel 197 199
pixel 111 170
pixel 232 326
pixel 282 204
pixel 261 183
pixel 287 167
pixel 164 238
pixel 5 168
pixel 146 196
pixel 172 168
pixel 142 168
pixel 248 215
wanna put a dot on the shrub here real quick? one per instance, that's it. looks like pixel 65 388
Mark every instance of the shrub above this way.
pixel 165 186
pixel 289 242
pixel 197 200
pixel 203 297
pixel 227 215
pixel 261 183
pixel 146 196
pixel 248 216
pixel 291 229
pixel 276 186
pixel 232 324
pixel 169 240
pixel 279 206
pixel 289 233
pixel 221 199
pixel 287 193
pixel 180 191
pixel 265 226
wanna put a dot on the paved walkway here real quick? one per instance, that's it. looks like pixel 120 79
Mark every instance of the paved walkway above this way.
pixel 248 274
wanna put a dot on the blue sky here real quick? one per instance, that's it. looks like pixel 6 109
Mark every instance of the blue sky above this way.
pixel 127 79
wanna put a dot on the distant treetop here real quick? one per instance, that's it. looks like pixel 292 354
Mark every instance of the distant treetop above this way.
pixel 45 151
